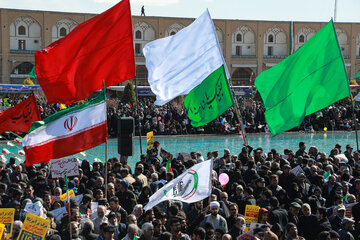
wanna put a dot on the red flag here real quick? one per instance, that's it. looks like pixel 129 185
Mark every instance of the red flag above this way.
pixel 101 48
pixel 20 117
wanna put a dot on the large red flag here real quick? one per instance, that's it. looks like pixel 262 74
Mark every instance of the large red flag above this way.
pixel 101 48
pixel 20 117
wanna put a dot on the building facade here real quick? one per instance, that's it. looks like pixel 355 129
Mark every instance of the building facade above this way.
pixel 248 46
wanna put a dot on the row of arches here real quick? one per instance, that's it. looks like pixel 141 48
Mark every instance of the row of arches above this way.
pixel 25 34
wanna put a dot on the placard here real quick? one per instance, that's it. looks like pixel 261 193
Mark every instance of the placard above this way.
pixel 59 213
pixel 7 218
pixel 34 228
pixel 150 140
pixel 2 228
pixel 63 197
pixel 64 167
pixel 297 170
pixel 251 215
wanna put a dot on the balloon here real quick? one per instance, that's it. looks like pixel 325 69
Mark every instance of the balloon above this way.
pixel 223 179
pixel 159 118
pixel 325 129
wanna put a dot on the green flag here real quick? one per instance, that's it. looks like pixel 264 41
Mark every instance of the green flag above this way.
pixel 357 75
pixel 33 73
pixel 210 99
pixel 307 81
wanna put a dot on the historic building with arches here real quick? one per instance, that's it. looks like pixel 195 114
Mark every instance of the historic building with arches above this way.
pixel 248 46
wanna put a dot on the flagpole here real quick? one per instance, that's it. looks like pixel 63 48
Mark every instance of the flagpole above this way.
pixel 335 10
pixel 137 112
pixel 355 122
pixel 68 205
pixel 106 169
pixel 238 115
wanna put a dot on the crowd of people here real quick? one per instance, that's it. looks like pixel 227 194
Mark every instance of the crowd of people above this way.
pixel 301 194
pixel 172 119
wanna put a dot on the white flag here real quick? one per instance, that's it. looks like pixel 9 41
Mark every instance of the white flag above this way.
pixel 191 186
pixel 178 63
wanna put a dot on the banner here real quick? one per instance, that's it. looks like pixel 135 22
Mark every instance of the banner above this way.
pixel 251 215
pixel 34 228
pixel 58 213
pixel 7 218
pixel 64 167
pixel 150 140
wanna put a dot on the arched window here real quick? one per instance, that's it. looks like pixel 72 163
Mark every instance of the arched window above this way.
pixel 138 34
pixel 172 33
pixel 301 39
pixel 62 32
pixel 238 37
pixel 271 38
pixel 22 30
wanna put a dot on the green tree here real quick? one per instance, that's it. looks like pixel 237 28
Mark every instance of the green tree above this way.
pixel 129 94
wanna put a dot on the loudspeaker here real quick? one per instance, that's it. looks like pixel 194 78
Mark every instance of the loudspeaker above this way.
pixel 126 127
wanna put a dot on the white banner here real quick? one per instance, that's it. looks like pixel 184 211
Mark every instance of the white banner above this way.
pixel 64 167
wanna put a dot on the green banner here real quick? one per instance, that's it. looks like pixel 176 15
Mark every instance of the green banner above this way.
pixel 210 99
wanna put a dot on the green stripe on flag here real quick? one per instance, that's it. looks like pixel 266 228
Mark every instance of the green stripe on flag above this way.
pixel 326 175
pixel 96 101
pixel 357 75
pixel 210 99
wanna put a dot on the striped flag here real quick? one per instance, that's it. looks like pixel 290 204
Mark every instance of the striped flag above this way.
pixel 3 158
pixel 10 144
pixel 292 38
pixel 5 151
pixel 18 139
pixel 83 154
pixel 67 132
pixel 326 176
pixel 98 160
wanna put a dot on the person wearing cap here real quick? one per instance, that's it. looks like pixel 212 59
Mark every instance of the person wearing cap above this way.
pixel 292 232
pixel 294 210
pixel 347 228
pixel 286 178
pixel 217 220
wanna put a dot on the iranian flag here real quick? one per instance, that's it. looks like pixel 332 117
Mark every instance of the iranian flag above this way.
pixel 18 139
pixel 190 63
pixel 191 186
pixel 67 132
pixel 5 151
pixel 21 152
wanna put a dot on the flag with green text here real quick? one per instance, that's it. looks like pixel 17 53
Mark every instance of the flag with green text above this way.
pixel 307 81
pixel 209 99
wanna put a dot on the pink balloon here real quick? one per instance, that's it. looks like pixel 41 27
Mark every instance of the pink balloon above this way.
pixel 223 179
pixel 159 118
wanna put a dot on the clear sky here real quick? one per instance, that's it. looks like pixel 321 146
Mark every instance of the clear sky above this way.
pixel 282 10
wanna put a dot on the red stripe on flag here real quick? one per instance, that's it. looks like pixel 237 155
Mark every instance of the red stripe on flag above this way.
pixel 66 146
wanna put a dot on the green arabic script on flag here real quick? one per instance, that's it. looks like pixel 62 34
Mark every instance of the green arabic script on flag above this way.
pixel 210 99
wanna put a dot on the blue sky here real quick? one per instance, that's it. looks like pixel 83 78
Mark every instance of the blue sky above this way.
pixel 282 10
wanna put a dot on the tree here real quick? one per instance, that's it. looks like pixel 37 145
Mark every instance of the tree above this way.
pixel 129 94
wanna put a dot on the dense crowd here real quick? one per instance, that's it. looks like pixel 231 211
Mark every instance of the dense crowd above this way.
pixel 172 119
pixel 296 201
